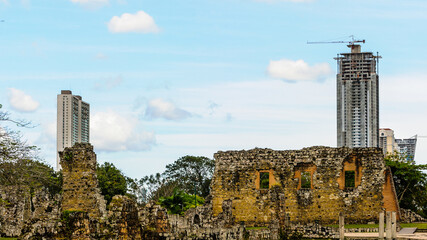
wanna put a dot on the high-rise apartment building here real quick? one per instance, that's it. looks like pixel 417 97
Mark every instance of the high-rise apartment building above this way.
pixel 387 141
pixel 407 147
pixel 72 123
pixel 357 99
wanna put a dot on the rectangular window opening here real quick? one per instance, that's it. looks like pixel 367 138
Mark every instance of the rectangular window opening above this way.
pixel 264 180
pixel 305 179
pixel 350 179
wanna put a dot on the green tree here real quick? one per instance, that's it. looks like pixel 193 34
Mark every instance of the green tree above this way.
pixel 410 182
pixel 111 181
pixel 153 187
pixel 179 202
pixel 20 164
pixel 191 174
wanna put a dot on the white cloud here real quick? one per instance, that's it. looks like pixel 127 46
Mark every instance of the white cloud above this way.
pixel 6 2
pixel 111 131
pixel 48 135
pixel 91 3
pixel 139 22
pixel 159 108
pixel 21 101
pixel 298 70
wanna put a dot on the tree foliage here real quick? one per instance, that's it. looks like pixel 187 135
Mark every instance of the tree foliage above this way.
pixel 192 174
pixel 189 174
pixel 410 183
pixel 20 165
pixel 153 187
pixel 111 181
pixel 179 202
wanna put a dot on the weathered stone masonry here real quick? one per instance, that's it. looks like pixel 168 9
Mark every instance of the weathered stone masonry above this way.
pixel 80 187
pixel 260 187
pixel 237 179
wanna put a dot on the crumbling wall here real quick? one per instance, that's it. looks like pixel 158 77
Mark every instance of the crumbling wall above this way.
pixel 259 187
pixel 80 187
pixel 24 210
pixel 236 175
pixel 408 216
pixel 15 208
pixel 123 219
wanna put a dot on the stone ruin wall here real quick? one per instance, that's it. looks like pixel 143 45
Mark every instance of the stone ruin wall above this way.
pixel 80 187
pixel 236 179
pixel 236 203
pixel 25 211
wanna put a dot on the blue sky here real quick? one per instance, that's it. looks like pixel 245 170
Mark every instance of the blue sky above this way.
pixel 171 78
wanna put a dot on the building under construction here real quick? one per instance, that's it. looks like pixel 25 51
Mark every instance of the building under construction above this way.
pixel 357 99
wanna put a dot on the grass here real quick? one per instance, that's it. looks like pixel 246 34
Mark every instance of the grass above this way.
pixel 355 225
pixel 256 228
pixel 5 238
pixel 417 225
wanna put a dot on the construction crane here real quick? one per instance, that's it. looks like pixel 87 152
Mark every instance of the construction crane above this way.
pixel 418 136
pixel 350 43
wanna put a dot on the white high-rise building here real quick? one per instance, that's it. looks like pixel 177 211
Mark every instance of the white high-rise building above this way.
pixel 72 124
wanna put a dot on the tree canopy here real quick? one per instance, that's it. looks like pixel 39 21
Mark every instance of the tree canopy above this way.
pixel 410 182
pixel 179 202
pixel 111 181
pixel 192 174
pixel 20 164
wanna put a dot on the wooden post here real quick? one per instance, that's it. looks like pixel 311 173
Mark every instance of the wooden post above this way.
pixel 393 225
pixel 341 227
pixel 388 226
pixel 381 226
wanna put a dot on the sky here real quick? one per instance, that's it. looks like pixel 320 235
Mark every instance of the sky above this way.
pixel 165 79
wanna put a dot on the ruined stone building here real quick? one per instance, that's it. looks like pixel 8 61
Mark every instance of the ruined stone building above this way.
pixel 357 99
pixel 303 186
pixel 301 190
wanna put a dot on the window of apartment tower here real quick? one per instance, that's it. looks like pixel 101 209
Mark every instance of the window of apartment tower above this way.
pixel 264 180
pixel 305 179
pixel 350 179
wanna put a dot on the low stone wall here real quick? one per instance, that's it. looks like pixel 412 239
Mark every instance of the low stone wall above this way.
pixel 313 230
pixel 362 230
pixel 408 216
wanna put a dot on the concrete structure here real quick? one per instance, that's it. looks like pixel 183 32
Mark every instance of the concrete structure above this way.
pixel 407 146
pixel 72 124
pixel 357 99
pixel 387 141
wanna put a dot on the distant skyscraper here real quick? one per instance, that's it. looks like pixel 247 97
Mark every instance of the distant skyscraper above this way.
pixel 72 123
pixel 387 141
pixel 407 146
pixel 357 99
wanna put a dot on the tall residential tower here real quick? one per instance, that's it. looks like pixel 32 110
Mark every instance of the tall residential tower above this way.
pixel 72 124
pixel 357 99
